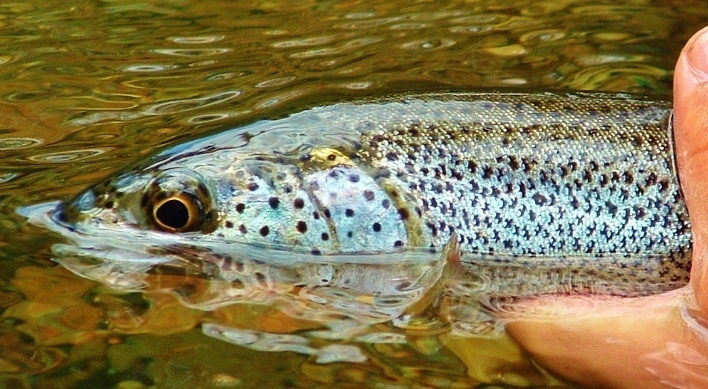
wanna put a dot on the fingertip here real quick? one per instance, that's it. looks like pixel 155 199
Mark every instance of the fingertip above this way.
pixel 696 54
pixel 691 136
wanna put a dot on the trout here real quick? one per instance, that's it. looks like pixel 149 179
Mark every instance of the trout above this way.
pixel 578 183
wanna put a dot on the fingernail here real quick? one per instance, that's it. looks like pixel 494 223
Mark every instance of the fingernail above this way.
pixel 697 54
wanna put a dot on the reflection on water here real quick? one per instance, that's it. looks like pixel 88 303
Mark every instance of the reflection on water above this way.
pixel 93 85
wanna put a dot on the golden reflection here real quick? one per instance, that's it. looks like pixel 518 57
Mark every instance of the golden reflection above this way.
pixel 90 87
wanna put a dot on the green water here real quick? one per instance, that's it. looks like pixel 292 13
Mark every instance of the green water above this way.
pixel 89 86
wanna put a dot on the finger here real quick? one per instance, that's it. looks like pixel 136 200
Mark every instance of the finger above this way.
pixel 691 135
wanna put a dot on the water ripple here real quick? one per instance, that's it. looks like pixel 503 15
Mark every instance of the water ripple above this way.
pixel 68 156
pixel 196 40
pixel 149 68
pixel 275 82
pixel 19 143
pixel 429 44
pixel 193 52
pixel 303 42
pixel 182 105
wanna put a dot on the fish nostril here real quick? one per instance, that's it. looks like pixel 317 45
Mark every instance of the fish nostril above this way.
pixel 60 213
pixel 61 216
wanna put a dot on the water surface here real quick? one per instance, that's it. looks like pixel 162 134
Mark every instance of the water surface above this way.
pixel 90 86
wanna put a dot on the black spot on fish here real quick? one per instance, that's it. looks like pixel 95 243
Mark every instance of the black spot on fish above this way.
pixel 298 203
pixel 229 224
pixel 539 198
pixel 376 227
pixel 301 227
pixel 264 231
pixel 604 180
pixel 261 278
pixel 349 234
pixel 327 213
pixel 514 163
pixel 354 177
pixel 472 167
pixel 443 170
pixel 252 186
pixel 565 170
pixel 369 195
pixel 397 243
pixel 228 262
pixel 316 252
pixel 242 229
pixel 433 229
pixel 639 213
pixel 403 213
pixel 349 212
pixel 274 202
pixel 385 203
pixel 325 236
pixel 487 172
pixel 316 215
pixel 628 177
pixel 240 207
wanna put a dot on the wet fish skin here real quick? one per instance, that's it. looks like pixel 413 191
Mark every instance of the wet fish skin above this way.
pixel 543 180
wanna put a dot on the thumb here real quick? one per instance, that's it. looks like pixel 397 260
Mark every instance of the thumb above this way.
pixel 691 135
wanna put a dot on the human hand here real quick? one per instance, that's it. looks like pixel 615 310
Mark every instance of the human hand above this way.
pixel 655 341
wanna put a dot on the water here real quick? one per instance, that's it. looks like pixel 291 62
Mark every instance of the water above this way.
pixel 89 86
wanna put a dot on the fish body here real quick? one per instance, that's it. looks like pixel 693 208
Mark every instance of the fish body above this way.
pixel 545 180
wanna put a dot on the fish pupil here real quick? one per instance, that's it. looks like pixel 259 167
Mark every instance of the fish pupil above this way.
pixel 172 214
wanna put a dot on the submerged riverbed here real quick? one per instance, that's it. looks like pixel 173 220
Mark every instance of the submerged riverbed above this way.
pixel 92 86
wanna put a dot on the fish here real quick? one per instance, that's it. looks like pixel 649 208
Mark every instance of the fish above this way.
pixel 547 191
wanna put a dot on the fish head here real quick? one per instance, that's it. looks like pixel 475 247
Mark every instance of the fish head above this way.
pixel 169 200
pixel 251 200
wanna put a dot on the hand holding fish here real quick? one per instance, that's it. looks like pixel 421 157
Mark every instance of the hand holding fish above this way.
pixel 656 341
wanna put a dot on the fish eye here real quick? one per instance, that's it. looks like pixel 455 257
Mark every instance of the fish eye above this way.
pixel 179 202
pixel 177 213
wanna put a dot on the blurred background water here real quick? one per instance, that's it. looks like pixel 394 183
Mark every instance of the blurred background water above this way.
pixel 89 86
